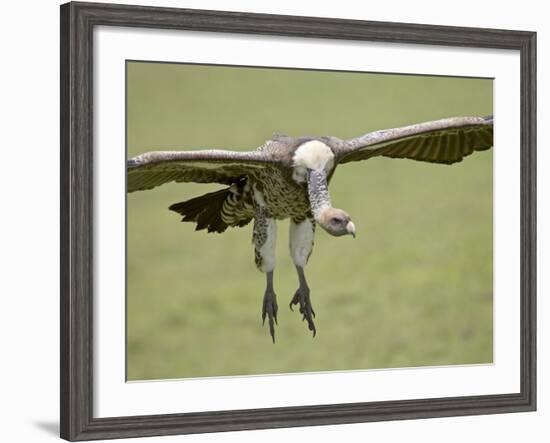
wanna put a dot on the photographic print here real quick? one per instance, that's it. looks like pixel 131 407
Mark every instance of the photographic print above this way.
pixel 282 220
pixel 292 221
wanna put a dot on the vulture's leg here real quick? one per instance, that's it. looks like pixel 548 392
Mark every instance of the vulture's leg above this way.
pixel 301 244
pixel 264 238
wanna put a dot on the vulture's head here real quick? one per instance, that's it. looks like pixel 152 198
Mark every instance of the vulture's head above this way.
pixel 336 222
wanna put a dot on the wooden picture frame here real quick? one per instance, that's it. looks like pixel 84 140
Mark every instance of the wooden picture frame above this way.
pixel 77 24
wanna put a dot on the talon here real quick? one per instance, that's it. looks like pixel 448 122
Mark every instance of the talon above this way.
pixel 269 310
pixel 295 300
pixel 301 297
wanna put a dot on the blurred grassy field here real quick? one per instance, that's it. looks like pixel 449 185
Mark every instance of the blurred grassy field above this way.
pixel 414 288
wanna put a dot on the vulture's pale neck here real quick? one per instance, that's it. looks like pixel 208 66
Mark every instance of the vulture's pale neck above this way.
pixel 317 188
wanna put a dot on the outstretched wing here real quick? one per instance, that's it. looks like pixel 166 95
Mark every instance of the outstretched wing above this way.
pixel 441 141
pixel 152 169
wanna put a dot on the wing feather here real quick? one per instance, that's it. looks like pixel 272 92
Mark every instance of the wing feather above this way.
pixel 152 169
pixel 440 141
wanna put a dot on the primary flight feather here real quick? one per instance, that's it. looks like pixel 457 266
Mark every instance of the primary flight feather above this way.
pixel 288 177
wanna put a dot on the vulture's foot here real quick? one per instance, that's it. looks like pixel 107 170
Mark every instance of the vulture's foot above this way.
pixel 269 309
pixel 301 297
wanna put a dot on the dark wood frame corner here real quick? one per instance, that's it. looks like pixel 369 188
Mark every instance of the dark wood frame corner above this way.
pixel 77 23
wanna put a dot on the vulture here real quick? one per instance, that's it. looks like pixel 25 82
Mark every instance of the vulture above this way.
pixel 288 177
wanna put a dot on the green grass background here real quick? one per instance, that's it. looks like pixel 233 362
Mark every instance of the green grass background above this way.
pixel 414 288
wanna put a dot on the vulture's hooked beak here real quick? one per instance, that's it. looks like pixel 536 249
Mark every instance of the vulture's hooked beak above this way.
pixel 351 228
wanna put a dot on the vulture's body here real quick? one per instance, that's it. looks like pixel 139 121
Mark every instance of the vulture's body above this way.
pixel 288 177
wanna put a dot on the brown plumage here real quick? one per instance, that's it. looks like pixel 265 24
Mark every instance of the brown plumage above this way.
pixel 204 210
pixel 218 210
pixel 270 167
pixel 288 177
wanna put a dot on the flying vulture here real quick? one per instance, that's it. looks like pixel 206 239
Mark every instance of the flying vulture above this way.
pixel 288 177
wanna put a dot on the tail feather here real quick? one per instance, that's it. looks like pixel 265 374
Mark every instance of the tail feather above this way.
pixel 206 211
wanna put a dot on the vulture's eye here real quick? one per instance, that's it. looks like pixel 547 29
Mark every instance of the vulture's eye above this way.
pixel 336 220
